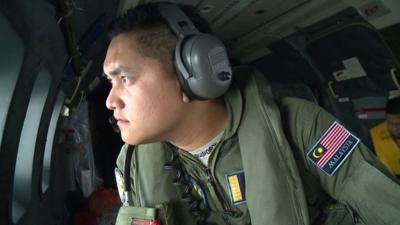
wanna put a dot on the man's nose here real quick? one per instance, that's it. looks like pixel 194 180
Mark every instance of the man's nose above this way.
pixel 113 100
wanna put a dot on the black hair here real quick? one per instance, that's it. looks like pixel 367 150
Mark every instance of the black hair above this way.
pixel 393 106
pixel 152 33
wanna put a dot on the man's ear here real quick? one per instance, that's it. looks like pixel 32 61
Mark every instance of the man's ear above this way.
pixel 185 98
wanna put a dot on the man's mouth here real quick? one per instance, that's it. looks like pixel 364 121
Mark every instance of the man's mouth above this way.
pixel 122 123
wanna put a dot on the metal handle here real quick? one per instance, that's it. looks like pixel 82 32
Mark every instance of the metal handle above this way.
pixel 331 89
pixel 394 77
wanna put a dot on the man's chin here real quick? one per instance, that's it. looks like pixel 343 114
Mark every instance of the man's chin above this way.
pixel 127 139
pixel 130 139
pixel 134 140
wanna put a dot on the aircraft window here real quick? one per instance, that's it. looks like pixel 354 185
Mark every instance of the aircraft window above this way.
pixel 11 55
pixel 26 150
pixel 49 143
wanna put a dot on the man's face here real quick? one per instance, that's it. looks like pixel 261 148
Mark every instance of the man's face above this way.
pixel 146 99
pixel 394 124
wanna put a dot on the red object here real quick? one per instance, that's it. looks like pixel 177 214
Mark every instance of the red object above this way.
pixel 145 222
pixel 103 199
pixel 365 110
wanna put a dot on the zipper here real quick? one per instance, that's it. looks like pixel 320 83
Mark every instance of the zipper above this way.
pixel 212 183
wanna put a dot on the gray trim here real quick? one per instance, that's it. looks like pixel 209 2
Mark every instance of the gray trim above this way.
pixel 11 58
pixel 22 186
pixel 50 142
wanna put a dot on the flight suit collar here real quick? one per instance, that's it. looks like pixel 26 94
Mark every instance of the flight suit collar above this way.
pixel 234 103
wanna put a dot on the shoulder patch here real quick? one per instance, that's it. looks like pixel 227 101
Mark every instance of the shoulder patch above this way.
pixel 199 191
pixel 237 187
pixel 332 149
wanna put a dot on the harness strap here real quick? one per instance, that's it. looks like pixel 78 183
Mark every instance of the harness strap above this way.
pixel 127 168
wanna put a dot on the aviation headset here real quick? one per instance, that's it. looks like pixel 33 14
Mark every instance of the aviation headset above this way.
pixel 201 61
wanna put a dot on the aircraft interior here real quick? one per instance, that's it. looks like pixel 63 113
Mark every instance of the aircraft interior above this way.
pixel 58 141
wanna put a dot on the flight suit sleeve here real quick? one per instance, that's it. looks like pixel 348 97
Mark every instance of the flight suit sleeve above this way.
pixel 361 181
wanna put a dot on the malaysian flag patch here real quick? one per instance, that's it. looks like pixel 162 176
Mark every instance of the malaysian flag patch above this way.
pixel 333 148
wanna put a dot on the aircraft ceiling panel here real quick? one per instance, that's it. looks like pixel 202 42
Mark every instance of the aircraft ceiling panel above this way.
pixel 242 17
pixel 234 18
pixel 211 10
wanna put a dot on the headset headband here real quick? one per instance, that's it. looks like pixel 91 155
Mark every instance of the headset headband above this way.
pixel 177 20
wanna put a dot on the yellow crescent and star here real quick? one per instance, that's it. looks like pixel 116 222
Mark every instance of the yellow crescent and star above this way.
pixel 318 152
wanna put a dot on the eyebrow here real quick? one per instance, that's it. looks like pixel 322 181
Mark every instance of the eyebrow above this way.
pixel 117 71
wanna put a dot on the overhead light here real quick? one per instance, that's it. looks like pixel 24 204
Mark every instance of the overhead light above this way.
pixel 206 8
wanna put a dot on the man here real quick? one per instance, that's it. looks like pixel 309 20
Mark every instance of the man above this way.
pixel 238 159
pixel 386 137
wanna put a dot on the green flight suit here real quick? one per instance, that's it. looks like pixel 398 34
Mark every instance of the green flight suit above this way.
pixel 267 141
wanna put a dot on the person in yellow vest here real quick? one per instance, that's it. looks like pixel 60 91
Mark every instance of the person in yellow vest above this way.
pixel 386 137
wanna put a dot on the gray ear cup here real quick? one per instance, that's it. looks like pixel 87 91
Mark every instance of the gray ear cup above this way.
pixel 203 67
pixel 201 61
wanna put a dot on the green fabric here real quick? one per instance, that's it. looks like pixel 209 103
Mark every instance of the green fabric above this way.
pixel 362 183
pixel 151 184
pixel 264 148
pixel 165 214
pixel 270 142
pixel 227 153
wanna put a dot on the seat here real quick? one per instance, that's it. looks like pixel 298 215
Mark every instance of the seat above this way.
pixel 295 90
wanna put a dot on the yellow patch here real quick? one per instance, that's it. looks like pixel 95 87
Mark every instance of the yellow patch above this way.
pixel 235 187
pixel 236 184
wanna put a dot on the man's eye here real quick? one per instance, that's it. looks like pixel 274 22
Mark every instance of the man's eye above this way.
pixel 126 79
